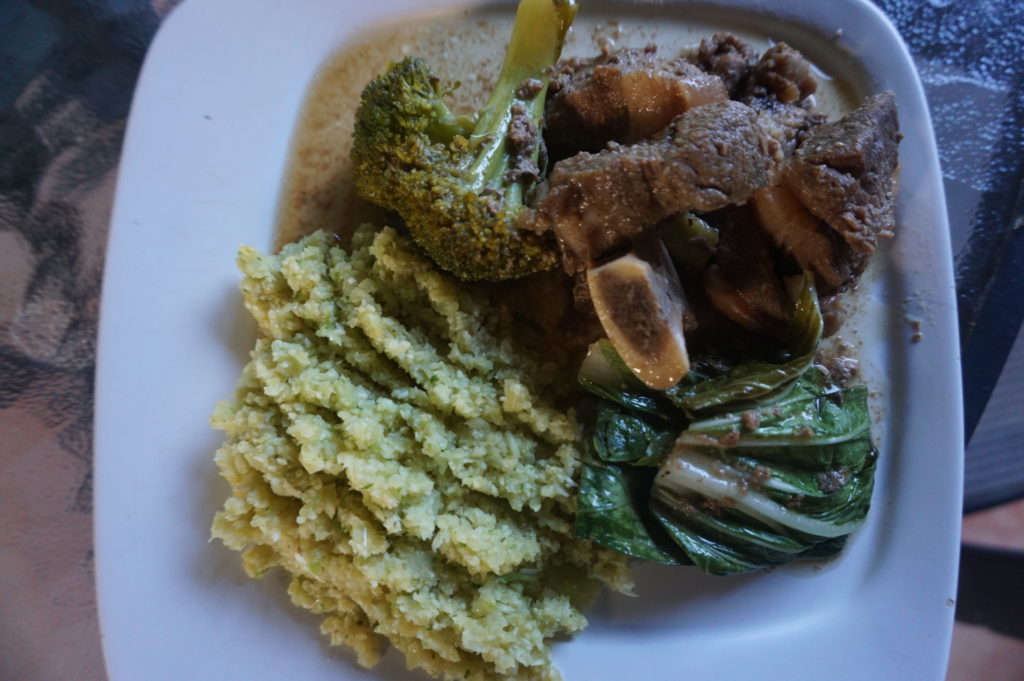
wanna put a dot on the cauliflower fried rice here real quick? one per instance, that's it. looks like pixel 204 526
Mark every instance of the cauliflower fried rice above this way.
pixel 408 467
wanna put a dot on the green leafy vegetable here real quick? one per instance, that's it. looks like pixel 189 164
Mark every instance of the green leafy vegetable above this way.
pixel 752 381
pixel 459 184
pixel 623 437
pixel 604 374
pixel 729 523
pixel 612 511
pixel 788 479
pixel 777 466
pixel 817 456
pixel 648 404
pixel 792 487
pixel 805 416
pixel 720 545
pixel 691 242
pixel 692 471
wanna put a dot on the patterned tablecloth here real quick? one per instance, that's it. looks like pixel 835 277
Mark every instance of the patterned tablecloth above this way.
pixel 67 71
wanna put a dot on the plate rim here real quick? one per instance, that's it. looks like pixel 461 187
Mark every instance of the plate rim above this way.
pixel 901 74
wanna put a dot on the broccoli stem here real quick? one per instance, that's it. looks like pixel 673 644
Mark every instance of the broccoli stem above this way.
pixel 446 126
pixel 536 43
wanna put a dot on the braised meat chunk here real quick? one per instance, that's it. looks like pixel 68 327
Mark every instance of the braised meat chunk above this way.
pixel 844 172
pixel 742 283
pixel 795 230
pixel 777 88
pixel 623 96
pixel 787 124
pixel 708 158
pixel 726 56
pixel 776 84
pixel 782 74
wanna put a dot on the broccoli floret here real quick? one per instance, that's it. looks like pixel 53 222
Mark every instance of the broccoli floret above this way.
pixel 459 183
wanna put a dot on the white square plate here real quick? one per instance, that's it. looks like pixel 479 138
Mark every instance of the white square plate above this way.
pixel 201 174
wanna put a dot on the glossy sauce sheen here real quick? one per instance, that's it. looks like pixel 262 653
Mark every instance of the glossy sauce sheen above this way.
pixel 468 48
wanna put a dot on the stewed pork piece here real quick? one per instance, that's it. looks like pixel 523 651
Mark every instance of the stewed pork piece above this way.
pixel 709 157
pixel 728 57
pixel 785 188
pixel 788 124
pixel 782 74
pixel 776 84
pixel 631 94
pixel 797 231
pixel 777 87
pixel 835 198
pixel 624 96
pixel 845 172
pixel 742 282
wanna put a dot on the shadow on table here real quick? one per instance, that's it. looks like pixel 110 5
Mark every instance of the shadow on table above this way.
pixel 991 592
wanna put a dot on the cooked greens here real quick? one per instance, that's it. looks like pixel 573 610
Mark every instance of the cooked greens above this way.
pixel 613 511
pixel 622 437
pixel 752 381
pixel 786 473
pixel 691 242
pixel 811 411
pixel 727 507
pixel 605 374
pixel 459 183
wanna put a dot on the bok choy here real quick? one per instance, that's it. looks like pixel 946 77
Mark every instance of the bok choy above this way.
pixel 625 449
pixel 736 468
pixel 752 382
pixel 733 511
pixel 737 492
